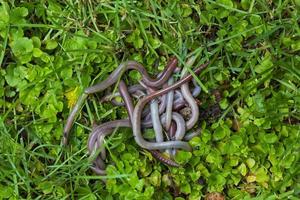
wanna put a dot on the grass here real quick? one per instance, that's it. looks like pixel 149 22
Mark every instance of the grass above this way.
pixel 250 150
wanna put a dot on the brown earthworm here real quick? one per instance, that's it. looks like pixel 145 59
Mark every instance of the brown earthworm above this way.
pixel 156 121
pixel 162 106
pixel 132 89
pixel 172 130
pixel 98 166
pixel 164 159
pixel 113 78
pixel 180 127
pixel 97 137
pixel 129 106
pixel 193 104
pixel 103 129
pixel 72 117
pixel 170 97
pixel 190 99
pixel 180 124
pixel 171 135
pixel 136 125
pixel 155 118
pixel 116 75
pixel 126 98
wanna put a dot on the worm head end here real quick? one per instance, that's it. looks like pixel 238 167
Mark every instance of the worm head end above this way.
pixel 65 139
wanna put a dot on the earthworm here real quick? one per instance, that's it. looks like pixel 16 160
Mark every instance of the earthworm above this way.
pixel 129 106
pixel 180 127
pixel 161 108
pixel 113 78
pixel 156 121
pixel 106 127
pixel 190 99
pixel 97 136
pixel 160 103
pixel 98 171
pixel 99 166
pixel 92 140
pixel 180 124
pixel 172 130
pixel 178 96
pixel 193 134
pixel 99 163
pixel 169 107
pixel 123 90
pixel 136 91
pixel 116 75
pixel 116 103
pixel 171 134
pixel 179 105
pixel 155 117
pixel 164 159
pixel 132 89
pixel 72 116
pixel 136 125
pixel 193 105
pixel 126 98
pixel 197 89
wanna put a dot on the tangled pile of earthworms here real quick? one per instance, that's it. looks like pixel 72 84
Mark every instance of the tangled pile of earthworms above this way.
pixel 165 104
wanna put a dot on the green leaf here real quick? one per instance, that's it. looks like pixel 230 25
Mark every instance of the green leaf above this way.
pixel 6 192
pixel 37 52
pixel 29 96
pixel 234 161
pixel 261 175
pixel 22 45
pixel 134 38
pixel 155 178
pixel 51 44
pixel 243 169
pixel 227 3
pixel 4 17
pixel 245 4
pixel 195 141
pixel 186 10
pixel 296 45
pixel 270 138
pixel 10 76
pixel 221 132
pixel 288 160
pixel 216 182
pixel 236 140
pixel 36 42
pixel 46 187
pixel 22 48
pixel 17 15
pixel 185 188
pixel 265 64
pixel 224 103
pixel 250 162
pixel 149 191
pixel 195 175
pixel 255 20
pixel 183 157
pixel 154 42
pixel 206 136
pixel 214 157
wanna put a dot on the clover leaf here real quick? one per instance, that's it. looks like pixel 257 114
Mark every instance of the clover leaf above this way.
pixel 22 49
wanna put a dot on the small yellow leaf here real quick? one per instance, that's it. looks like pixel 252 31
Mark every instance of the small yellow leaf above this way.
pixel 72 97
pixel 251 178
